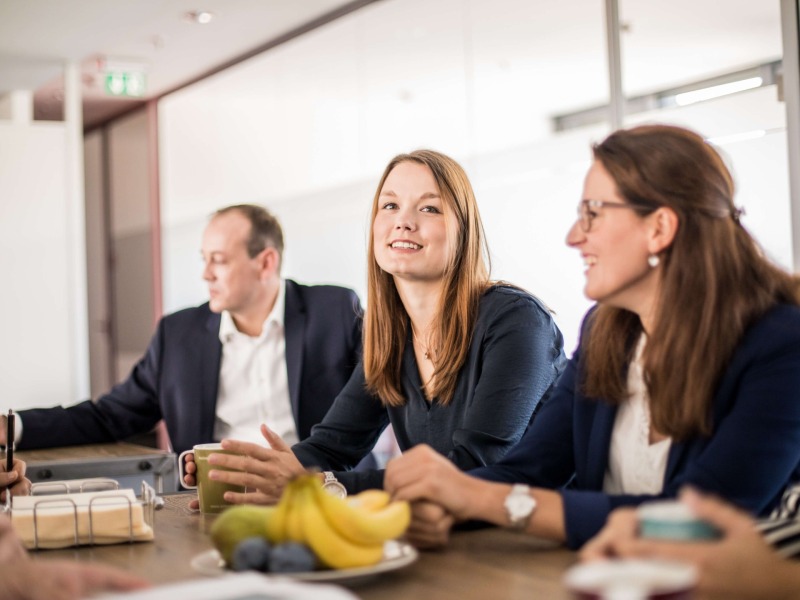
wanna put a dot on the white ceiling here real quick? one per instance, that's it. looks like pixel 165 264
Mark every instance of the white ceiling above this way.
pixel 38 36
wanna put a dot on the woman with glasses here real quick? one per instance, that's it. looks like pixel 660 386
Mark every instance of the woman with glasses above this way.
pixel 688 369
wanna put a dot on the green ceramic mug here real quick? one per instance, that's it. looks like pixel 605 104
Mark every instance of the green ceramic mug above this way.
pixel 210 493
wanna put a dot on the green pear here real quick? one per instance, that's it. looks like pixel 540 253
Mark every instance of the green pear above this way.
pixel 236 524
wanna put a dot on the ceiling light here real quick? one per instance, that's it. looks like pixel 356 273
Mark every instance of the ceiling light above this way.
pixel 201 17
pixel 717 91
pixel 737 137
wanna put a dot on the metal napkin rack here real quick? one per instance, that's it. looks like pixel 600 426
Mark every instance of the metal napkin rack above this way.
pixel 149 500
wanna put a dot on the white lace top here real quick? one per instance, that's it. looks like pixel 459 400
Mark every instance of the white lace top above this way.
pixel 635 466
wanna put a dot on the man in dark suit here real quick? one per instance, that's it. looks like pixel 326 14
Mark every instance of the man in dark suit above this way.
pixel 263 349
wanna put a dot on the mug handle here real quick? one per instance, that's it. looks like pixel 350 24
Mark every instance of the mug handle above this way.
pixel 182 472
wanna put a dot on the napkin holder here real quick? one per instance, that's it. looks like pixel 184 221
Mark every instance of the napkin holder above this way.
pixel 78 518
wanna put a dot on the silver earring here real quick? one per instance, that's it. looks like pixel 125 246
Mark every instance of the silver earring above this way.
pixel 653 260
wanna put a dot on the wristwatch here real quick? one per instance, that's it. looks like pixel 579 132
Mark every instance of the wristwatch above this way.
pixel 519 505
pixel 332 485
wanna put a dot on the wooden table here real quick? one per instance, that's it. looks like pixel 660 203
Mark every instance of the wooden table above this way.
pixel 491 563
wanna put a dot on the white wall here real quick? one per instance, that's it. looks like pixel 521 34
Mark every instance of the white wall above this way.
pixel 35 367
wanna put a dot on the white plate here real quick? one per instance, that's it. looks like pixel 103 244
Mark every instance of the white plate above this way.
pixel 396 555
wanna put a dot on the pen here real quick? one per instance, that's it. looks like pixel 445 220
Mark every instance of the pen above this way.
pixel 10 441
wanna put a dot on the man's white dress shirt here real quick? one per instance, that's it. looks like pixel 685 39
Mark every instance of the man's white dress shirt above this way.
pixel 253 380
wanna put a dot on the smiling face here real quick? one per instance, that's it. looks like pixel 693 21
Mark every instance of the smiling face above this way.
pixel 616 248
pixel 412 229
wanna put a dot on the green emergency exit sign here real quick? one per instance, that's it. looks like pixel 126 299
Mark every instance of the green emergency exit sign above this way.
pixel 120 83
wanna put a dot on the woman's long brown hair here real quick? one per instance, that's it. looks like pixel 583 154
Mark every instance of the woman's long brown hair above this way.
pixel 465 279
pixel 715 279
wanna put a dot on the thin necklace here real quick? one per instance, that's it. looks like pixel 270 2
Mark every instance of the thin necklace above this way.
pixel 425 352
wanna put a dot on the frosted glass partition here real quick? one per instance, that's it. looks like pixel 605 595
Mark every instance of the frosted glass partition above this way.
pixel 697 46
pixel 670 44
pixel 749 129
pixel 307 128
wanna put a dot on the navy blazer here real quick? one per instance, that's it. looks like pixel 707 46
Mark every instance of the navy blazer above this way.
pixel 177 378
pixel 751 456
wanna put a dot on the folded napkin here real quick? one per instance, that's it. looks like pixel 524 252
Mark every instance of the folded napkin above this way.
pixel 116 517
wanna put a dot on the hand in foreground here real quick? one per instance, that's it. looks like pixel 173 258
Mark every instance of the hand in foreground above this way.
pixel 621 529
pixel 11 548
pixel 265 470
pixel 741 565
pixel 61 580
pixel 14 480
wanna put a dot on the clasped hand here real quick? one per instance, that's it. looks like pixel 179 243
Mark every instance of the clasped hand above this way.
pixel 437 492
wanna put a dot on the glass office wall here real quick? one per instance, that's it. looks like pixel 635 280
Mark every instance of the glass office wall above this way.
pixel 514 89
pixel 689 63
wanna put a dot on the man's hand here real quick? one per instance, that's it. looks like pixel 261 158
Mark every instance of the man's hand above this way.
pixel 15 480
pixel 189 469
pixel 189 478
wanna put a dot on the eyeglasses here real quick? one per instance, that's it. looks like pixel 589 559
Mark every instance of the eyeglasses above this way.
pixel 588 210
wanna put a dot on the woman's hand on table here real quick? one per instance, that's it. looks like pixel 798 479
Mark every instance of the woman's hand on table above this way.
pixel 264 470
pixel 189 469
pixel 423 474
pixel 14 480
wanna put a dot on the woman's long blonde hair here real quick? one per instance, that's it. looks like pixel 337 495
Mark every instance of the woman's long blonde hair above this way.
pixel 715 279
pixel 464 280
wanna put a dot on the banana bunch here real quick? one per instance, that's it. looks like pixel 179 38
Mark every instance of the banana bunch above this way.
pixel 342 533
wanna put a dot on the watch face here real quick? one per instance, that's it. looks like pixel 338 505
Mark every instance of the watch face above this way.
pixel 519 505
pixel 334 488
